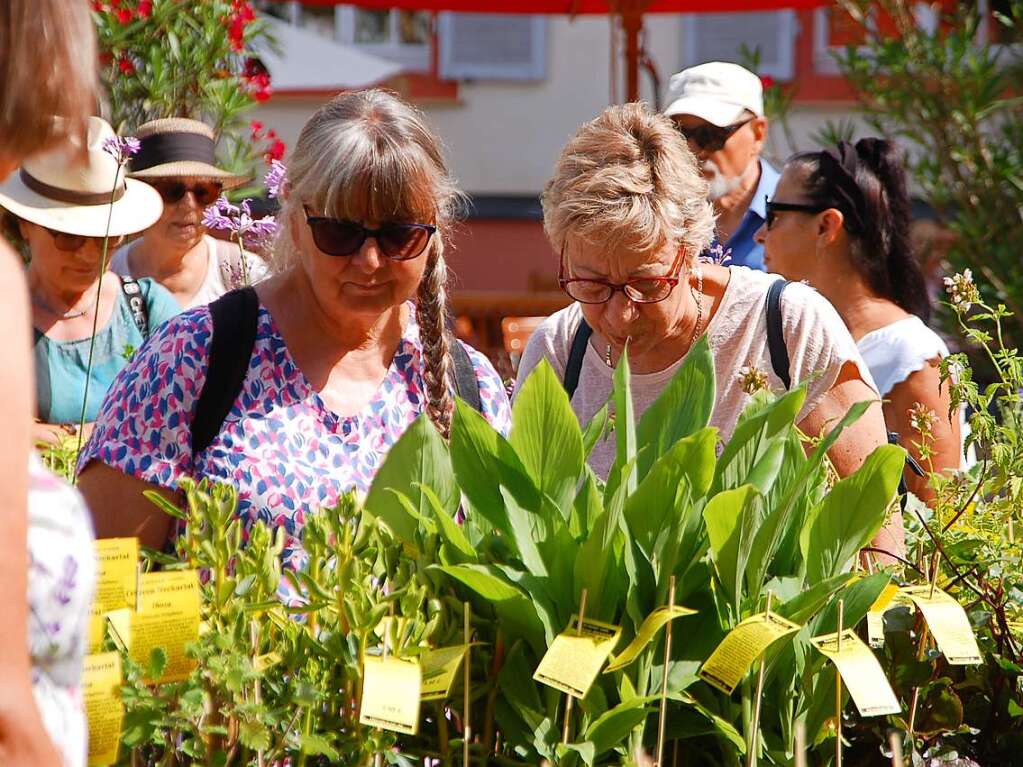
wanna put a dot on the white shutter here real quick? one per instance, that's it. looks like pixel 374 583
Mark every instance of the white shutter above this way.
pixel 487 46
pixel 721 36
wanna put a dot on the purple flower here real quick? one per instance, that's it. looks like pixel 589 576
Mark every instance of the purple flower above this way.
pixel 238 220
pixel 717 254
pixel 121 148
pixel 276 178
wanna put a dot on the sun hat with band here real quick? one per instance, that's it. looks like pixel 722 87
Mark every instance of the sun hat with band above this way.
pixel 718 92
pixel 69 189
pixel 177 147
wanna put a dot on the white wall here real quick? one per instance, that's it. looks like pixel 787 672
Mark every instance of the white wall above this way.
pixel 503 138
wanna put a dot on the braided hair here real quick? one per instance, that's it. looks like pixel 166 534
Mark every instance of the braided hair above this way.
pixel 866 181
pixel 368 156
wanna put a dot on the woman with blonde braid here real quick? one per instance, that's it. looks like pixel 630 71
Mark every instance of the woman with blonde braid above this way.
pixel 336 360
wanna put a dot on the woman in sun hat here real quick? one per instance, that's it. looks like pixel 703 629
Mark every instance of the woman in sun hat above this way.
pixel 177 158
pixel 61 209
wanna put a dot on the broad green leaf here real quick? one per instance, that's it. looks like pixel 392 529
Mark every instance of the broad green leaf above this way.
pixel 253 735
pixel 653 623
pixel 597 429
pixel 449 529
pixel 625 426
pixel 682 408
pixel 515 680
pixel 724 728
pixel 599 568
pixel 483 461
pixel 585 750
pixel 314 744
pixel 546 435
pixel 523 533
pixel 802 607
pixel 418 458
pixel 588 506
pixel 653 505
pixel 852 513
pixel 732 517
pixel 613 727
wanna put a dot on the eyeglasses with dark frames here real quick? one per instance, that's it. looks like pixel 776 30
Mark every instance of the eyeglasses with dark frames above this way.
pixel 172 191
pixel 774 208
pixel 712 138
pixel 641 290
pixel 342 238
pixel 69 243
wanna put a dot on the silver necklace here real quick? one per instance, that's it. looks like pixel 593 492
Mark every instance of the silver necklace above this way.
pixel 65 315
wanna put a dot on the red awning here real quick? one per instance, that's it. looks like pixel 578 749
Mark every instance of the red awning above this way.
pixel 572 7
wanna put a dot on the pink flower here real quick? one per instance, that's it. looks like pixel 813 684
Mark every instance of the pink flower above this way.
pixel 121 149
pixel 238 220
pixel 276 178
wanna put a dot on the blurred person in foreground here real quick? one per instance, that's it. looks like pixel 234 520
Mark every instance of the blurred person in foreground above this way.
pixel 627 210
pixel 719 108
pixel 47 69
pixel 840 220
pixel 176 157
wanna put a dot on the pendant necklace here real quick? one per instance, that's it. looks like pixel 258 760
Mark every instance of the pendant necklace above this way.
pixel 65 315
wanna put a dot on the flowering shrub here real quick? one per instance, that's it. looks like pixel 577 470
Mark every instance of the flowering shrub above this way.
pixel 168 58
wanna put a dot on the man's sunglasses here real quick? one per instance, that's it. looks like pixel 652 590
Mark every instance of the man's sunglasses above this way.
pixel 69 243
pixel 712 138
pixel 206 192
pixel 774 208
pixel 339 237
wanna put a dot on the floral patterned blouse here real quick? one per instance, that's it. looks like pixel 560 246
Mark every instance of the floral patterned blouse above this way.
pixel 61 577
pixel 284 450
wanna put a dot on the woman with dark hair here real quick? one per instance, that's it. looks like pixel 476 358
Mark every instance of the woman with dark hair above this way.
pixel 839 220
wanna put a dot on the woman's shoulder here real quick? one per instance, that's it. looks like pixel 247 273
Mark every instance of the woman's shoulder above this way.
pixel 159 301
pixel 897 350
pixel 554 335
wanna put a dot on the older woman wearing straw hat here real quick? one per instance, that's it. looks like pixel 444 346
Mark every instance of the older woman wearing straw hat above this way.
pixel 177 158
pixel 61 207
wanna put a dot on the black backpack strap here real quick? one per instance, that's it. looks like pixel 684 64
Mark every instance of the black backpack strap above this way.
pixel 775 334
pixel 575 357
pixel 467 385
pixel 136 304
pixel 44 394
pixel 235 318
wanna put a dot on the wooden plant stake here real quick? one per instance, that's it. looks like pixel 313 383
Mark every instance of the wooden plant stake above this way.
pixel 800 744
pixel 378 758
pixel 838 689
pixel 568 698
pixel 895 741
pixel 664 676
pixel 924 635
pixel 257 685
pixel 754 756
pixel 467 728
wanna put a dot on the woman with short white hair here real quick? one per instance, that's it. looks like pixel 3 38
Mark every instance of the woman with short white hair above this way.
pixel 627 211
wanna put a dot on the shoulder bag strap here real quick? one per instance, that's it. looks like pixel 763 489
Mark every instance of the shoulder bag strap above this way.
pixel 775 334
pixel 44 394
pixel 467 385
pixel 235 318
pixel 136 304
pixel 576 354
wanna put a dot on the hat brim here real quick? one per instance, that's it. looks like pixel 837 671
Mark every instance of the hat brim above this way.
pixel 139 208
pixel 189 169
pixel 719 113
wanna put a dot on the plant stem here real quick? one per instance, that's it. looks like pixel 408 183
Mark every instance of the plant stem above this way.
pixel 664 676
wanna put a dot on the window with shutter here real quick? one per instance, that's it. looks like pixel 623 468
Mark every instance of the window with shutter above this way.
pixel 483 46
pixel 721 37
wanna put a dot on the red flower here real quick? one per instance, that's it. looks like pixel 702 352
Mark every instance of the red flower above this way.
pixel 259 86
pixel 98 6
pixel 256 127
pixel 106 58
pixel 145 8
pixel 276 151
pixel 123 15
pixel 766 81
pixel 126 65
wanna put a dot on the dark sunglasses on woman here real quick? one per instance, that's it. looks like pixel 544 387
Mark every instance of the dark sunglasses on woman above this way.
pixel 712 138
pixel 206 192
pixel 69 243
pixel 774 208
pixel 340 237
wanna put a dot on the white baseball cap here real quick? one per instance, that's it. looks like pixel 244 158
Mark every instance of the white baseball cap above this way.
pixel 718 92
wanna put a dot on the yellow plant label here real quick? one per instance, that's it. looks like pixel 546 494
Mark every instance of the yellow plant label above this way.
pixel 101 690
pixel 390 693
pixel 862 674
pixel 574 659
pixel 168 619
pixel 116 570
pixel 120 625
pixel 875 615
pixel 948 624
pixel 172 590
pixel 440 667
pixel 731 660
pixel 653 623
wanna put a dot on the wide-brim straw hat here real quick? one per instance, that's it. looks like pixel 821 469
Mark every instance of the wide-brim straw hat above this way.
pixel 69 190
pixel 176 147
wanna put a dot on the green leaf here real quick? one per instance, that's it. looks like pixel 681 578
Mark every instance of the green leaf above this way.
pixel 157 663
pixel 808 603
pixel 732 517
pixel 449 529
pixel 546 435
pixel 613 727
pixel 585 749
pixel 851 514
pixel 625 427
pixel 524 525
pixel 418 458
pixel 596 430
pixel 314 745
pixel 254 735
pixel 683 407
pixel 166 506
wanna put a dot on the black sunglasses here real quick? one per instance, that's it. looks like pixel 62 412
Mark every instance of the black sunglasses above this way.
pixel 774 208
pixel 711 138
pixel 206 192
pixel 69 243
pixel 339 237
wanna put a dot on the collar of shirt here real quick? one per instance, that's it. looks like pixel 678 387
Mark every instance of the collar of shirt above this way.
pixel 745 251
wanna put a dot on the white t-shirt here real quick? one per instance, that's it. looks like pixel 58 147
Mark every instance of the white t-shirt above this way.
pixel 818 342
pixel 222 275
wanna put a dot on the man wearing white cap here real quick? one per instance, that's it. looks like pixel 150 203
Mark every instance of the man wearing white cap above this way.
pixel 719 107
